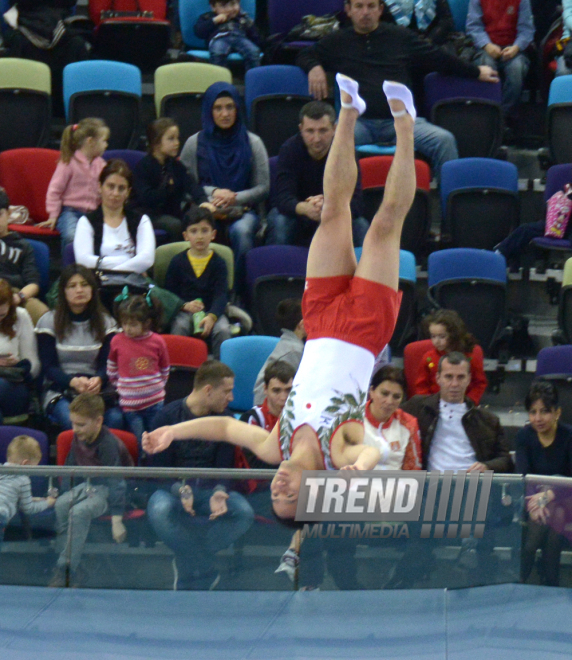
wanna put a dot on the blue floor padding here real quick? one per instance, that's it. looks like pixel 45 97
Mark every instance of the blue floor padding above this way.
pixel 510 621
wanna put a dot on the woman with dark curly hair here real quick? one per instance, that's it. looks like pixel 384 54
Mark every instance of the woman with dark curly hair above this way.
pixel 74 342
pixel 449 333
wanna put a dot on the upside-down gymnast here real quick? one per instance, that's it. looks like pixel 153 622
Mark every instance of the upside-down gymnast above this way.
pixel 349 310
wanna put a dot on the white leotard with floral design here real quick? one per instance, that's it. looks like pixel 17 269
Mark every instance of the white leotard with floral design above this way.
pixel 329 389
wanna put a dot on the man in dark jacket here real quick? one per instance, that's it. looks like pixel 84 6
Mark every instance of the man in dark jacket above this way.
pixel 456 435
pixel 93 445
pixel 299 189
pixel 199 519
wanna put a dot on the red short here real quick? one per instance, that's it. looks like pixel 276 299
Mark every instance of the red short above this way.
pixel 353 309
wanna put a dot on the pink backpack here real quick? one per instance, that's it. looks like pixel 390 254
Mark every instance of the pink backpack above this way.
pixel 558 211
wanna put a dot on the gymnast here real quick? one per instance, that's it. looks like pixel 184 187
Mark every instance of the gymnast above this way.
pixel 349 310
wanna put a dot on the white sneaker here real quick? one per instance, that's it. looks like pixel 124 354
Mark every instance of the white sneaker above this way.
pixel 289 564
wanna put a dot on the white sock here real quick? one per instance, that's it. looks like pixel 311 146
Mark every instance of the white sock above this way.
pixel 351 87
pixel 395 90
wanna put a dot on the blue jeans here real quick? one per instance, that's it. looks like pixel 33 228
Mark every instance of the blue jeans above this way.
pixel 60 415
pixel 221 47
pixel 67 223
pixel 432 141
pixel 512 73
pixel 241 234
pixel 287 230
pixel 196 539
pixel 142 420
pixel 14 399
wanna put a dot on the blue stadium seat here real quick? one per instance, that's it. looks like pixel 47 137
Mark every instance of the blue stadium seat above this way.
pixel 479 201
pixel 246 356
pixel 469 109
pixel 459 9
pixel 554 363
pixel 189 12
pixel 473 283
pixel 109 90
pixel 279 90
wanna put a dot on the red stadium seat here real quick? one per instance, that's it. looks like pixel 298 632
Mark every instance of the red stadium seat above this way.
pixel 26 174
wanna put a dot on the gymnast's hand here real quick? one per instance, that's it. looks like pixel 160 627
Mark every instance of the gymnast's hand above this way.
pixel 158 440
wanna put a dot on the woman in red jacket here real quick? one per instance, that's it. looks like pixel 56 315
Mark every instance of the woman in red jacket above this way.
pixel 449 333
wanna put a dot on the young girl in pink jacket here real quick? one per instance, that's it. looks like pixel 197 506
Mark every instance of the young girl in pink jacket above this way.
pixel 74 188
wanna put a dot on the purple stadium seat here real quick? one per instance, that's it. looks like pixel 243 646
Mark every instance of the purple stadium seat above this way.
pixel 275 260
pixel 554 361
pixel 8 433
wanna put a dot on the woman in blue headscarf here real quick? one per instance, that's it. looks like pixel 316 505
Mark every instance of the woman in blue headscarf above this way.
pixel 232 166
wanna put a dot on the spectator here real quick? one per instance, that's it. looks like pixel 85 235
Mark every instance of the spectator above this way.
pixel 19 362
pixel 232 166
pixel 278 377
pixel 199 523
pixel 93 445
pixel 544 447
pixel 16 489
pixel 291 345
pixel 455 434
pixel 562 68
pixel 112 237
pixel 299 190
pixel 138 362
pixel 430 19
pixel 394 432
pixel 18 264
pixel 228 29
pixel 199 277
pixel 503 30
pixel 161 182
pixel 449 333
pixel 372 52
pixel 73 342
pixel 74 188
pixel 38 31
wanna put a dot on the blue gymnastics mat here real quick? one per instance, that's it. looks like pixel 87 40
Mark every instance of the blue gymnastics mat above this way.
pixel 509 621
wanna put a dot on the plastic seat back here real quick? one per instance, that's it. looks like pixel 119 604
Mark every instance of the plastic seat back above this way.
pixel 269 291
pixel 275 260
pixel 106 89
pixel 186 78
pixel 274 79
pixel 26 174
pixel 466 263
pixel 246 356
pixel 263 122
pixel 25 98
pixel 64 442
pixel 559 119
pixel 130 156
pixel 8 433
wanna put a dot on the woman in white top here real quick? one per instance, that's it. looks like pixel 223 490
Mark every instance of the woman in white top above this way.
pixel 19 362
pixel 392 431
pixel 111 237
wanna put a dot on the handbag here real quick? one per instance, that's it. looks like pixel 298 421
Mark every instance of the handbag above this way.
pixel 12 374
pixel 117 279
pixel 230 213
pixel 106 14
pixel 108 394
pixel 313 28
